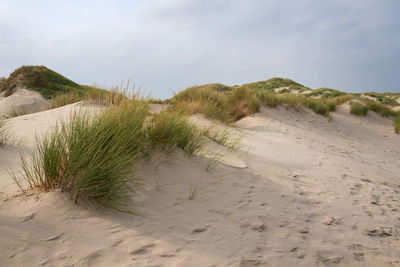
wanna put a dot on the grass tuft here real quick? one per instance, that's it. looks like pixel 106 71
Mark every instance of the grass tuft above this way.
pixel 5 136
pixel 358 109
pixel 90 157
pixel 170 129
pixel 396 123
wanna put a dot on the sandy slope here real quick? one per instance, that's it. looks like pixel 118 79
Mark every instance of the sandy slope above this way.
pixel 22 101
pixel 314 193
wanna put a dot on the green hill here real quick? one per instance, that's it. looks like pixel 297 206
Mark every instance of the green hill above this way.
pixel 274 83
pixel 41 79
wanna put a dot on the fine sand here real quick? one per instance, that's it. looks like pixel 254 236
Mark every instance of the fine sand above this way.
pixel 301 191
pixel 22 101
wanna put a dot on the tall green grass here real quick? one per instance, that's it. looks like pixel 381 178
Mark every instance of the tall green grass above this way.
pixel 358 109
pixel 5 135
pixel 170 129
pixel 241 101
pixel 319 106
pixel 90 94
pixel 90 157
pixel 93 156
pixel 396 123
pixel 379 108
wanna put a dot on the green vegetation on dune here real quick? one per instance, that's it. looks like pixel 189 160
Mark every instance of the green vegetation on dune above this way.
pixel 168 129
pixel 385 98
pixel 326 93
pixel 232 103
pixel 358 109
pixel 53 86
pixel 4 133
pixel 240 101
pixel 90 93
pixel 271 84
pixel 41 79
pixel 93 156
pixel 396 123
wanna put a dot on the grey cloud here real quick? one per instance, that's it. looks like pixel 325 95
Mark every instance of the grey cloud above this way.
pixel 169 45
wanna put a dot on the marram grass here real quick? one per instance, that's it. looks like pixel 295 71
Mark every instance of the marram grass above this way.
pixel 93 156
pixel 90 156
pixel 396 123
pixel 5 135
pixel 358 109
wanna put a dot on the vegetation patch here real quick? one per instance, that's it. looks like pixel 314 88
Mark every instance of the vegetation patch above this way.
pixel 92 156
pixel 396 123
pixel 241 101
pixel 385 98
pixel 326 93
pixel 170 129
pixel 5 135
pixel 358 109
pixel 41 79
pixel 271 84
pixel 379 108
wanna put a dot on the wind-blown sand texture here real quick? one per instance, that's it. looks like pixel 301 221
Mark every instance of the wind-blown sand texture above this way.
pixel 314 193
pixel 22 101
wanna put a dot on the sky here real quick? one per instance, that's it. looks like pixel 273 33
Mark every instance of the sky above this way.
pixel 168 45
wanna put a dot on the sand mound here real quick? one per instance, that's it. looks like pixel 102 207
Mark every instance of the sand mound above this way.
pixel 368 97
pixel 157 108
pixel 314 193
pixel 22 101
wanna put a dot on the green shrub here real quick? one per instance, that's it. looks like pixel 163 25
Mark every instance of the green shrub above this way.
pixel 358 109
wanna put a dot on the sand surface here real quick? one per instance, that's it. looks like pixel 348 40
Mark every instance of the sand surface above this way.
pixel 22 101
pixel 311 193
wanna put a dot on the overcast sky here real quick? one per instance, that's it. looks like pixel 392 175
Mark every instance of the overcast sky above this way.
pixel 168 45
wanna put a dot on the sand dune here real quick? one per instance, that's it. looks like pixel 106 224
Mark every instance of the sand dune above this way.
pixel 301 191
pixel 22 101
